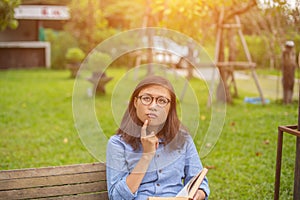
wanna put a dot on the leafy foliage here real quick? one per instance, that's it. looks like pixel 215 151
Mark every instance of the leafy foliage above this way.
pixel 113 11
pixel 46 2
pixel 7 14
pixel 87 24
pixel 274 22
pixel 75 55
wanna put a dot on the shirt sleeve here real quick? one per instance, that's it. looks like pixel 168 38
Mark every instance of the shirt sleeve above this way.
pixel 117 171
pixel 193 166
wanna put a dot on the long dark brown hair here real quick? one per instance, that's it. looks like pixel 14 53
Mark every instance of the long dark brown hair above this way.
pixel 130 128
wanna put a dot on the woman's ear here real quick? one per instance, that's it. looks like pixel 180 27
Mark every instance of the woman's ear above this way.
pixel 135 102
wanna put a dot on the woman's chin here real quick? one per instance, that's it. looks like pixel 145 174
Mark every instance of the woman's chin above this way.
pixel 154 123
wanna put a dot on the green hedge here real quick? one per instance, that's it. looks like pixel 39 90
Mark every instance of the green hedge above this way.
pixel 259 52
pixel 60 42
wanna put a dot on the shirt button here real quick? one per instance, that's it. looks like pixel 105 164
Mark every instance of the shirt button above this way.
pixel 158 155
pixel 160 171
pixel 157 184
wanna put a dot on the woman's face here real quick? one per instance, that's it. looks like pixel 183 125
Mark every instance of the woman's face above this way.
pixel 158 100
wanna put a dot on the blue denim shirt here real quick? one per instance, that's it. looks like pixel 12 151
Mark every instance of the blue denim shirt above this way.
pixel 165 177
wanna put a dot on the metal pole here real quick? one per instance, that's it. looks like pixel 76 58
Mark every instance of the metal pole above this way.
pixel 297 171
pixel 278 164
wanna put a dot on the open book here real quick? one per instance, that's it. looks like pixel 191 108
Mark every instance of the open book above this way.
pixel 189 190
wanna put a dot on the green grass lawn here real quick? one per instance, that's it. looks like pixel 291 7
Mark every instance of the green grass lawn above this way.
pixel 37 129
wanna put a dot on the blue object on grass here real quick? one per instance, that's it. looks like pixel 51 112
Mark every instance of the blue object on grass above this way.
pixel 255 100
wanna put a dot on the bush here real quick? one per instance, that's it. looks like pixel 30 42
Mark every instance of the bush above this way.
pixel 74 55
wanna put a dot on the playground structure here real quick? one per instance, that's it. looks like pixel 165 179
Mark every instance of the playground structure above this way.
pixel 190 57
pixel 227 68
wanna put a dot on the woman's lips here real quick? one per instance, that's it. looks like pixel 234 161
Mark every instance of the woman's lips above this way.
pixel 152 116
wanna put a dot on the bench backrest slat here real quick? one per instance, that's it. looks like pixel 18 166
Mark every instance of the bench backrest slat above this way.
pixel 49 171
pixel 63 181
pixel 51 180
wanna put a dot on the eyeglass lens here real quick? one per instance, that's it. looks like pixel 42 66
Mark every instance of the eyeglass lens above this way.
pixel 160 101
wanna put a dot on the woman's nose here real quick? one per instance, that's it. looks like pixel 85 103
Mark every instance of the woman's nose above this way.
pixel 152 105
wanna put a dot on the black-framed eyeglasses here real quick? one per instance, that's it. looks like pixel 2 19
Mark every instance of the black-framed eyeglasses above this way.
pixel 148 99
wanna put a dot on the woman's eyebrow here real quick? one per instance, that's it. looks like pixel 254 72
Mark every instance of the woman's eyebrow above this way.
pixel 154 95
pixel 146 93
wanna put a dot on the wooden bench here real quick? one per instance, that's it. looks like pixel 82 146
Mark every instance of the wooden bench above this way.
pixel 80 181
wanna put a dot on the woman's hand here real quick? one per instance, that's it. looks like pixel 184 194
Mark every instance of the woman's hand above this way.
pixel 200 195
pixel 149 142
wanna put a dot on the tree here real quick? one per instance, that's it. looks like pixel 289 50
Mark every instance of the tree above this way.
pixel 7 14
pixel 87 24
pixel 273 24
pixel 124 14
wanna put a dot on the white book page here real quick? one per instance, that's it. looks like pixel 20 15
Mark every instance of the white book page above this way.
pixel 185 192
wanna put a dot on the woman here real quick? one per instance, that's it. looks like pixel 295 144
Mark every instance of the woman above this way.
pixel 151 153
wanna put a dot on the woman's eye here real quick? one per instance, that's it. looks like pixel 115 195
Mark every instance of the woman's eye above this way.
pixel 147 99
pixel 162 100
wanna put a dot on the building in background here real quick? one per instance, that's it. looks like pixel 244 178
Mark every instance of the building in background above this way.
pixel 25 46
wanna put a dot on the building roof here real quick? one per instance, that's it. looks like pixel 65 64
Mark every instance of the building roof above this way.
pixel 42 12
pixel 45 2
